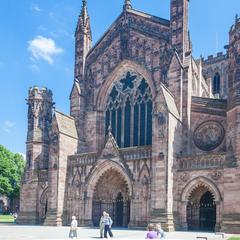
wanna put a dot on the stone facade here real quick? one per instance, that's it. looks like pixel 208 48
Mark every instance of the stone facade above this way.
pixel 152 135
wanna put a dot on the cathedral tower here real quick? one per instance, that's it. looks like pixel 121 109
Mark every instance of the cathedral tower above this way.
pixel 179 26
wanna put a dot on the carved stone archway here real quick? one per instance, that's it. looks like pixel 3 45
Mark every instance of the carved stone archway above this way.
pixel 111 195
pixel 197 192
pixel 108 182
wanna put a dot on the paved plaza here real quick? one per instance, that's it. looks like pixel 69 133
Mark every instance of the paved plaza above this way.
pixel 16 232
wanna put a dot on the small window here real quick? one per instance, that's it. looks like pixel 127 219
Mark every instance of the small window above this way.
pixel 216 84
pixel 237 75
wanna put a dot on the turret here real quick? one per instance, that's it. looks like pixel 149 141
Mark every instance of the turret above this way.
pixel 127 5
pixel 179 26
pixel 34 182
pixel 83 41
pixel 40 107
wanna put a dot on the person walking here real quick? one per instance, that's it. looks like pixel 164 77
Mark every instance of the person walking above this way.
pixel 73 228
pixel 107 226
pixel 101 224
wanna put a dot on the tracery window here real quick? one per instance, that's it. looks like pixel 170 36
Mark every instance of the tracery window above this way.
pixel 216 83
pixel 129 111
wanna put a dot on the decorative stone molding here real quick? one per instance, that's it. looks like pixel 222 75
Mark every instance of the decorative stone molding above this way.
pixel 136 153
pixel 127 154
pixel 184 177
pixel 208 135
pixel 196 183
pixel 216 175
pixel 207 161
pixel 159 113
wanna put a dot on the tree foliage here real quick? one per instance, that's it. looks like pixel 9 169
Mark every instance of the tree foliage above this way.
pixel 11 170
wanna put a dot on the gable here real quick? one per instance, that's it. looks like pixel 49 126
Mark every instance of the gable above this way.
pixel 133 20
pixel 137 37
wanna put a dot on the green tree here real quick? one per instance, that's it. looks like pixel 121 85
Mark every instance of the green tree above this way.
pixel 11 170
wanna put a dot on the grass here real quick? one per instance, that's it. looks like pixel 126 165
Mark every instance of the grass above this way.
pixel 234 238
pixel 6 219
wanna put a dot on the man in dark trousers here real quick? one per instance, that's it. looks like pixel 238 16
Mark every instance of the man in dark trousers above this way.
pixel 107 226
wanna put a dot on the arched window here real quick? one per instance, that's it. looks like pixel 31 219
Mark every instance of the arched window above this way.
pixel 237 75
pixel 129 111
pixel 216 83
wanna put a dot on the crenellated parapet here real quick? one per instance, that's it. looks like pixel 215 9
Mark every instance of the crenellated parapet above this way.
pixel 212 59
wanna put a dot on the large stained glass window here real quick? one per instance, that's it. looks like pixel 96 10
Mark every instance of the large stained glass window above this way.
pixel 129 111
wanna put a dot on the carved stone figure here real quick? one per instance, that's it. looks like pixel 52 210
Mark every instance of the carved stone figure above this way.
pixel 209 135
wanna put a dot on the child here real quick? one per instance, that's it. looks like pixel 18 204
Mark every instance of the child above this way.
pixel 151 234
pixel 73 228
pixel 159 230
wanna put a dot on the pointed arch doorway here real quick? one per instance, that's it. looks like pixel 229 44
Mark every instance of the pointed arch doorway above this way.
pixel 201 210
pixel 111 194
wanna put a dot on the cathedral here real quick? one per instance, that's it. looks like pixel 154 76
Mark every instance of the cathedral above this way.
pixel 153 135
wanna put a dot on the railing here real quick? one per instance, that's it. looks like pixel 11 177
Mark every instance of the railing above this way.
pixel 136 153
pixel 128 154
pixel 83 159
pixel 201 162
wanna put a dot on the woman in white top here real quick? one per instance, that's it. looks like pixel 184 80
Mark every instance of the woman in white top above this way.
pixel 73 228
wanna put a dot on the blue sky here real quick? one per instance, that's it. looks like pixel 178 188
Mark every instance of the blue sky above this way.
pixel 37 47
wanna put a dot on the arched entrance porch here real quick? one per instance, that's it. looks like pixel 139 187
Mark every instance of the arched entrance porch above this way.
pixel 201 204
pixel 201 210
pixel 111 195
pixel 109 189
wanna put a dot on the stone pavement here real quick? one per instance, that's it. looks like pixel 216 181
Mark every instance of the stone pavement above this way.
pixel 16 232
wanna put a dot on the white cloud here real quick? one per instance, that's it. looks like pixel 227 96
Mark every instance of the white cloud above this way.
pixel 36 8
pixel 35 68
pixel 43 48
pixel 8 125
